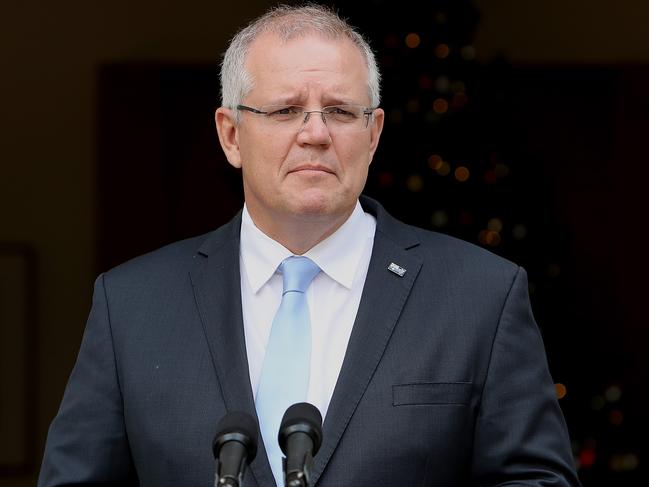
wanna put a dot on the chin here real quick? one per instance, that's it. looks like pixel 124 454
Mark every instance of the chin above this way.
pixel 312 208
pixel 323 205
pixel 312 203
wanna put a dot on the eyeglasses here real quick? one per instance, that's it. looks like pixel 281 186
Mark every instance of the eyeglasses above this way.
pixel 338 116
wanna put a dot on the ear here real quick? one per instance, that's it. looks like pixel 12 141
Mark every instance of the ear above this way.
pixel 376 127
pixel 228 131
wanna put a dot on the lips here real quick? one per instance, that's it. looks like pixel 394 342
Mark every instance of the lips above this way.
pixel 311 167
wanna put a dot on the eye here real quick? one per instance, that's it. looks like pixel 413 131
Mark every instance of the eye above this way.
pixel 342 113
pixel 283 112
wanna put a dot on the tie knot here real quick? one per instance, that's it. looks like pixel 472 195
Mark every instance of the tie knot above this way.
pixel 297 273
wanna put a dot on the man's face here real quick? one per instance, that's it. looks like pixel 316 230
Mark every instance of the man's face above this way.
pixel 309 170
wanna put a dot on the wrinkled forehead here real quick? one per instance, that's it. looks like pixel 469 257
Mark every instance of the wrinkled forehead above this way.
pixel 274 61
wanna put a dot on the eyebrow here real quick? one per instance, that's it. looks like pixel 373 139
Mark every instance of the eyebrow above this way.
pixel 329 101
pixel 289 97
pixel 287 100
pixel 297 97
pixel 340 101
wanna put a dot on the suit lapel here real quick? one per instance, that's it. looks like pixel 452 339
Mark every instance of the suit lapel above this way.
pixel 383 298
pixel 215 278
pixel 216 281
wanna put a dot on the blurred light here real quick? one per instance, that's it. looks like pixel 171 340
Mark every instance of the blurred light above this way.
pixel 493 238
pixel 425 82
pixel 597 403
pixel 495 225
pixel 435 162
pixel 444 169
pixel 465 218
pixel 396 116
pixel 468 53
pixel 489 237
pixel 393 41
pixel 460 100
pixel 442 84
pixel 587 458
pixel 554 270
pixel 413 105
pixel 386 179
pixel 616 417
pixel 501 170
pixel 462 174
pixel 413 40
pixel 415 183
pixel 613 393
pixel 490 177
pixel 531 287
pixel 442 51
pixel 440 105
pixel 458 87
pixel 624 462
pixel 439 218
pixel 441 18
pixel 519 232
pixel 432 117
pixel 561 390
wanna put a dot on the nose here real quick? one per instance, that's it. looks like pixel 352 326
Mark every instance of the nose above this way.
pixel 314 130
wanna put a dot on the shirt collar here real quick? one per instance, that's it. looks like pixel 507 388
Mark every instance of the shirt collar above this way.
pixel 338 255
pixel 260 254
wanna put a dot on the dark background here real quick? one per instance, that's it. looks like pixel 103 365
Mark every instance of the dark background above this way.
pixel 520 128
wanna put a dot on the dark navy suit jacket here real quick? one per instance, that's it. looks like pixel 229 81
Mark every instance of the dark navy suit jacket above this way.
pixel 444 382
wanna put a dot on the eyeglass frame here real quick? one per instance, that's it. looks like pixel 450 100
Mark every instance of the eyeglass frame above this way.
pixel 367 111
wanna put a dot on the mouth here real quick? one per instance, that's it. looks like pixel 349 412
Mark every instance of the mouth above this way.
pixel 314 168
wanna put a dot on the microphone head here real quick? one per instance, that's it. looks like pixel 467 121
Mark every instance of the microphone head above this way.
pixel 237 426
pixel 304 418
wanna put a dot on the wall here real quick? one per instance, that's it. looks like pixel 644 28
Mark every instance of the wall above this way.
pixel 51 53
pixel 560 31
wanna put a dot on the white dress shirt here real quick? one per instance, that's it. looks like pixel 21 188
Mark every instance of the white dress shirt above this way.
pixel 333 296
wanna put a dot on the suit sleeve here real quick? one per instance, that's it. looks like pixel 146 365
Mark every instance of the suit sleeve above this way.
pixel 521 437
pixel 87 442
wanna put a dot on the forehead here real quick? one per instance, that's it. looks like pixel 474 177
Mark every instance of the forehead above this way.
pixel 306 63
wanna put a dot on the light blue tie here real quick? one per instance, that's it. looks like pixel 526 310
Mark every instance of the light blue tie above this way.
pixel 285 373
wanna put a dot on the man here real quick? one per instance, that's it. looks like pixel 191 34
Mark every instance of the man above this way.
pixel 420 350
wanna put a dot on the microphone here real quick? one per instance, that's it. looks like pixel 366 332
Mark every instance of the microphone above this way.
pixel 300 437
pixel 234 447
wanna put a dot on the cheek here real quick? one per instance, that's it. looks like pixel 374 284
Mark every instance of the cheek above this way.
pixel 263 153
pixel 353 154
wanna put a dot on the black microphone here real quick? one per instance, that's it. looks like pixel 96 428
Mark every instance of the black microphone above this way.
pixel 235 446
pixel 300 437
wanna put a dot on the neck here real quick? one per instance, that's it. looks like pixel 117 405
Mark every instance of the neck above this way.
pixel 299 233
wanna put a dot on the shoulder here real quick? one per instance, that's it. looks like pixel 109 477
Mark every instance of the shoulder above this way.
pixel 464 267
pixel 434 247
pixel 453 264
pixel 460 254
pixel 162 265
pixel 173 261
pixel 169 255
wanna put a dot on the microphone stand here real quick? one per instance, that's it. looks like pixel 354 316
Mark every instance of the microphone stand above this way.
pixel 227 479
pixel 226 482
pixel 298 475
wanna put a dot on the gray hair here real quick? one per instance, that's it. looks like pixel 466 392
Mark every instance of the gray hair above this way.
pixel 289 22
